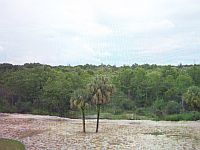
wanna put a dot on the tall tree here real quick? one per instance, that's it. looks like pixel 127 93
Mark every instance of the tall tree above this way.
pixel 79 100
pixel 101 90
pixel 194 72
pixel 192 97
pixel 153 83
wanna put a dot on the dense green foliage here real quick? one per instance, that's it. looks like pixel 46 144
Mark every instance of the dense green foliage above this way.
pixel 148 91
pixel 8 144
pixel 192 97
pixel 184 116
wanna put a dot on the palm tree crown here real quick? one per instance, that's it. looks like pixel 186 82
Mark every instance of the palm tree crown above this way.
pixel 101 90
pixel 79 99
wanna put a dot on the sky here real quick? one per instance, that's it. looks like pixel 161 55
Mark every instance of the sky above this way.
pixel 115 32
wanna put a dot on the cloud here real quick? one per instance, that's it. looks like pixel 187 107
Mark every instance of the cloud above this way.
pixel 74 16
pixel 152 26
pixel 108 31
pixel 79 51
pixel 162 24
pixel 1 49
pixel 162 45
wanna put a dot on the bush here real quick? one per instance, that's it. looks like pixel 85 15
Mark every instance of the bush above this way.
pixel 23 107
pixel 140 111
pixel 39 112
pixel 159 107
pixel 8 109
pixel 172 107
pixel 128 104
pixel 191 116
pixel 8 144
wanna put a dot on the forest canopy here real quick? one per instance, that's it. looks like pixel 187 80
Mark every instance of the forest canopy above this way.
pixel 143 90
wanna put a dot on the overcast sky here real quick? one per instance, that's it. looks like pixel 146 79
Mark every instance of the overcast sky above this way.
pixel 116 32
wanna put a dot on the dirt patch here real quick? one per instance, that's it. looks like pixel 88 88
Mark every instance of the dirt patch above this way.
pixel 3 115
pixel 30 133
pixel 156 133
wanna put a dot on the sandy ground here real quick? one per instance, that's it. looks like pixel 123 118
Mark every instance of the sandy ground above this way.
pixel 54 133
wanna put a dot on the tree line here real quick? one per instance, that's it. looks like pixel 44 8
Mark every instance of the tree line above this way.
pixel 145 90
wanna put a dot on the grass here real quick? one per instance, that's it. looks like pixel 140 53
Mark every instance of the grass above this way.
pixel 156 133
pixel 139 115
pixel 191 116
pixel 123 116
pixel 8 144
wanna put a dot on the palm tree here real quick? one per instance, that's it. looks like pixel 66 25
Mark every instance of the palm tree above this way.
pixel 79 100
pixel 101 90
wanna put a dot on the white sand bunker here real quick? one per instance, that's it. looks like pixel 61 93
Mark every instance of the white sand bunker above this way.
pixel 50 132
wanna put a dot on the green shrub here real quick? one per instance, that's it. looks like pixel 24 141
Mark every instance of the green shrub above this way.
pixel 8 109
pixel 140 111
pixel 191 116
pixel 8 144
pixel 40 112
pixel 159 107
pixel 172 107
pixel 23 107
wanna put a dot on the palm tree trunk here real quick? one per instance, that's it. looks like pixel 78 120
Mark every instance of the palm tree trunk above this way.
pixel 83 118
pixel 98 112
pixel 182 103
pixel 146 95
